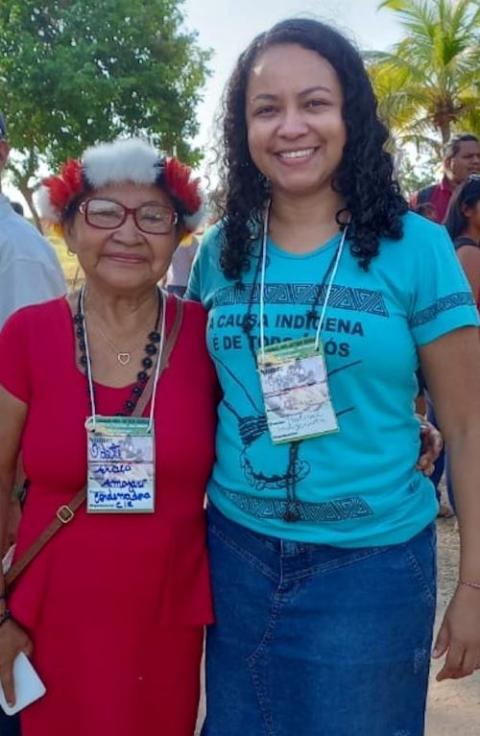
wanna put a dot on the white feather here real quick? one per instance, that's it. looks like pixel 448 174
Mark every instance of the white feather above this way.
pixel 193 222
pixel 47 211
pixel 123 160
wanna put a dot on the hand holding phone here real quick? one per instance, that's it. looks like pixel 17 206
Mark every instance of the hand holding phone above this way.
pixel 28 686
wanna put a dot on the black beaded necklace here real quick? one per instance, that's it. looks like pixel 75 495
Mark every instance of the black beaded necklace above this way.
pixel 151 349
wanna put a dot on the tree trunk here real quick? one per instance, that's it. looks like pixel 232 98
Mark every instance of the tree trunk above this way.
pixel 28 195
pixel 445 126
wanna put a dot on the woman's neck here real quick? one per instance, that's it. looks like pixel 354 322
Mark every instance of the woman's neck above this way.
pixel 122 313
pixel 301 224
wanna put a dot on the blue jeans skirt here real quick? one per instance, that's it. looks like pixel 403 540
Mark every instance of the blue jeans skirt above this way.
pixel 313 640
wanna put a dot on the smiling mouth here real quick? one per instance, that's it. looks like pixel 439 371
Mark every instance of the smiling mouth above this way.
pixel 293 155
pixel 124 259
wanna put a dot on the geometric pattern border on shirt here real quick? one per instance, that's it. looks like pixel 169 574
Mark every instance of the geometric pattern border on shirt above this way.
pixel 342 297
pixel 341 509
pixel 459 299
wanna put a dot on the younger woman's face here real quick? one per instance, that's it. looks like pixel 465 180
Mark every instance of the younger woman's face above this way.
pixel 296 132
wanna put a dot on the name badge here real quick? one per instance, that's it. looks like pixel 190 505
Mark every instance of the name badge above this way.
pixel 295 390
pixel 121 465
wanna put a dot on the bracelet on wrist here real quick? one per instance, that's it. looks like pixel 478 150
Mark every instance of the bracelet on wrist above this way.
pixel 470 584
pixel 5 616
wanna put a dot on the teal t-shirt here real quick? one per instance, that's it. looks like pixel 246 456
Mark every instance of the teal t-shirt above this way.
pixel 357 487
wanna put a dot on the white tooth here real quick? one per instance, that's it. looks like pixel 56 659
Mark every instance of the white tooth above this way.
pixel 297 154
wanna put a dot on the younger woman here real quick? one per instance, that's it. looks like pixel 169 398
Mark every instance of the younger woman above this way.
pixel 463 224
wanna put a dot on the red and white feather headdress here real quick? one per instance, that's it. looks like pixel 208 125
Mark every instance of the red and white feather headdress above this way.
pixel 129 160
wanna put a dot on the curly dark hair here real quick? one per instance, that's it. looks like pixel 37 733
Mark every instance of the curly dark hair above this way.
pixel 364 178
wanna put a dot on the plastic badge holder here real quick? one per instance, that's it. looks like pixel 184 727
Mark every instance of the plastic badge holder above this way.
pixel 28 686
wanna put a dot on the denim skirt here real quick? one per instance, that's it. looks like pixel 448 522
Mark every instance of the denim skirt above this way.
pixel 313 640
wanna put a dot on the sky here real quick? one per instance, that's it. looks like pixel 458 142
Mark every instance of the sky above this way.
pixel 228 26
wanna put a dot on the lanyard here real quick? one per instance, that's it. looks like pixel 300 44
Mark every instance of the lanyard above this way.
pixel 262 282
pixel 91 391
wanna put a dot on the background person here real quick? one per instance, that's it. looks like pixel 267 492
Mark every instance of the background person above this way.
pixel 29 269
pixel 179 271
pixel 463 225
pixel 112 609
pixel 29 274
pixel 323 549
pixel 462 158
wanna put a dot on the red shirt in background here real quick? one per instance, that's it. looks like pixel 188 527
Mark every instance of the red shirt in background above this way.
pixel 438 195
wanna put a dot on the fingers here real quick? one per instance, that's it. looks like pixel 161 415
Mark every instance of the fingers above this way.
pixel 425 466
pixel 460 662
pixel 28 648
pixel 6 680
pixel 471 662
pixel 441 642
pixel 453 665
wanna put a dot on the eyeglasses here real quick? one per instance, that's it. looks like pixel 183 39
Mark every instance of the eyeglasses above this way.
pixel 106 214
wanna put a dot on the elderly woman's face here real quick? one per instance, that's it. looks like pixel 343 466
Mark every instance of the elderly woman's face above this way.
pixel 122 255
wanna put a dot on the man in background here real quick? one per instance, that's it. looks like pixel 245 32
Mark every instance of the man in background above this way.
pixel 29 269
pixel 462 158
pixel 29 273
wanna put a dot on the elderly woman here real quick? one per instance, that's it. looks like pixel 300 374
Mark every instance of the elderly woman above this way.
pixel 99 389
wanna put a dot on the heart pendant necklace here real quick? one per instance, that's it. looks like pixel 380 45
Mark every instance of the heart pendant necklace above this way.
pixel 124 358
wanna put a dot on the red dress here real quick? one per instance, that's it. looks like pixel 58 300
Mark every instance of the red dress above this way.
pixel 115 605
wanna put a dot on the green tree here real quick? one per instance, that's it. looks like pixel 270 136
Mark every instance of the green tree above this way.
pixel 428 85
pixel 73 72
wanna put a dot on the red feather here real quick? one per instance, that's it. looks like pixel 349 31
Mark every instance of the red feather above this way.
pixel 66 186
pixel 182 186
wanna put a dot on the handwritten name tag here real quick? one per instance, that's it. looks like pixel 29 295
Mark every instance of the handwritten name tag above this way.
pixel 121 465
pixel 295 390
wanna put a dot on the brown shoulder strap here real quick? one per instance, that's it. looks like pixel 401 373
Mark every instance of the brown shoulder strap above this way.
pixel 66 513
pixel 167 351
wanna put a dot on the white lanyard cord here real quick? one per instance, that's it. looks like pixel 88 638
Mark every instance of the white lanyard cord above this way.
pixel 91 391
pixel 329 288
pixel 262 283
pixel 266 218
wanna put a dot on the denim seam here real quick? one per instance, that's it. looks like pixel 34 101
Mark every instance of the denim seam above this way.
pixel 252 659
pixel 420 576
pixel 251 559
pixel 334 565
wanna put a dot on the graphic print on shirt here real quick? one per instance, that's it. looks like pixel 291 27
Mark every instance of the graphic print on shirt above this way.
pixel 228 335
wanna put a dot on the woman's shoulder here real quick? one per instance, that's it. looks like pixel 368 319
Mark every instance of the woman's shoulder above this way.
pixel 194 315
pixel 415 225
pixel 463 241
pixel 420 238
pixel 35 315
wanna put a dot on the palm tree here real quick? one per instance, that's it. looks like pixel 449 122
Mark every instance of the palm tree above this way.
pixel 428 85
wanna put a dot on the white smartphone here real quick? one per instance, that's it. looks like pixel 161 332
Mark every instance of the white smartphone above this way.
pixel 28 686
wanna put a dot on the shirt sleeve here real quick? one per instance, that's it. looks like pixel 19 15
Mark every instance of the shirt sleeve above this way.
pixel 14 365
pixel 443 300
pixel 25 282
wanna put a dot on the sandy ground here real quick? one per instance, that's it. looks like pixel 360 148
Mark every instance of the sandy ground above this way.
pixel 453 706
